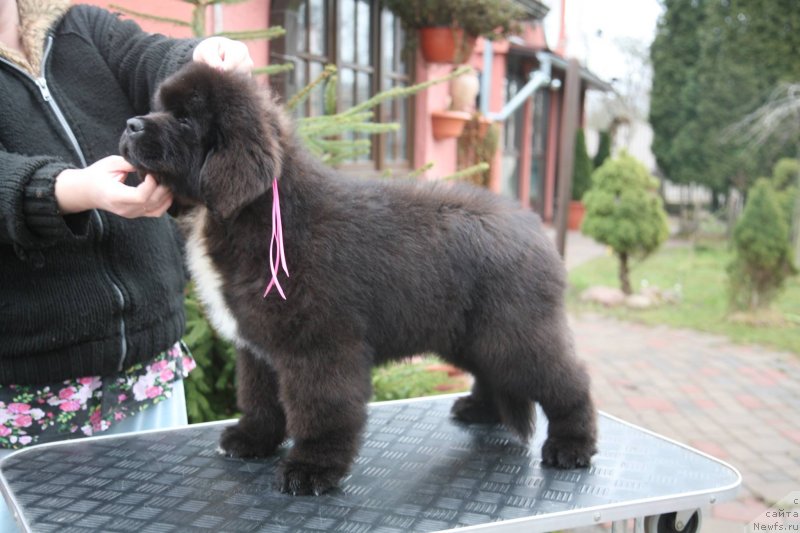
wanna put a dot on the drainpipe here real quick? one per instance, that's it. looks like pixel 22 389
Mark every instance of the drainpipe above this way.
pixel 486 78
pixel 538 79
pixel 219 24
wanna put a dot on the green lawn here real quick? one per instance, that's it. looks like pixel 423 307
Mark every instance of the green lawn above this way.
pixel 422 376
pixel 700 274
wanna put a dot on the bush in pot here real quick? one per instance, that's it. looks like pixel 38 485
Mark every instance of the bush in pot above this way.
pixel 581 180
pixel 453 25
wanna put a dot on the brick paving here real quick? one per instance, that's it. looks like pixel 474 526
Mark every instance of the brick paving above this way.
pixel 739 403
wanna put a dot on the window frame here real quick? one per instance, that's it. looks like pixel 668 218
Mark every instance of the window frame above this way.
pixel 380 78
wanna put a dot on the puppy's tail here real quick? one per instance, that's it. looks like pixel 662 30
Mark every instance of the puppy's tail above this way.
pixel 517 414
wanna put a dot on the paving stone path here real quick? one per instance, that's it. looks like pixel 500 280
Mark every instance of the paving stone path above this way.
pixel 738 403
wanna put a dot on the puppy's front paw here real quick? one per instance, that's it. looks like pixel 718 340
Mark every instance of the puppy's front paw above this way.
pixel 300 479
pixel 238 441
pixel 567 453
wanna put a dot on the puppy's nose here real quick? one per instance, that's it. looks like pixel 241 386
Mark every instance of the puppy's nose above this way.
pixel 135 126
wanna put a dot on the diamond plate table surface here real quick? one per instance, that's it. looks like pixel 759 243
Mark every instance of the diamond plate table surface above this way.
pixel 418 470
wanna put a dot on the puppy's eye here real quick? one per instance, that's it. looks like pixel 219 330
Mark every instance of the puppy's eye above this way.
pixel 184 122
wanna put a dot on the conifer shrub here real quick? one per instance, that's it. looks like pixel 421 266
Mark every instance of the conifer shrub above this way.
pixel 582 171
pixel 624 211
pixel 603 149
pixel 762 256
pixel 786 180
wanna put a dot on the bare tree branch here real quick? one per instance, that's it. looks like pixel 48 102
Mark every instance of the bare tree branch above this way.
pixel 778 119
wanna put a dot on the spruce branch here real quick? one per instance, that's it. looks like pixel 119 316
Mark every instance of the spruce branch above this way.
pixel 330 125
pixel 421 170
pixel 335 119
pixel 469 171
pixel 403 92
pixel 156 18
pixel 331 93
pixel 251 35
pixel 334 129
pixel 335 159
pixel 300 97
pixel 335 145
pixel 372 127
pixel 272 69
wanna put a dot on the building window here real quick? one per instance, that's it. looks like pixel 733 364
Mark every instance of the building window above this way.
pixel 541 105
pixel 512 133
pixel 365 42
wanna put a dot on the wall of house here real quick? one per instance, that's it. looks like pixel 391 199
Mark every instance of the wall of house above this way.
pixel 497 97
pixel 443 152
pixel 254 14
pixel 440 152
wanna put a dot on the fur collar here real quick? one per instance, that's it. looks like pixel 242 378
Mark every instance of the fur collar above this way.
pixel 36 17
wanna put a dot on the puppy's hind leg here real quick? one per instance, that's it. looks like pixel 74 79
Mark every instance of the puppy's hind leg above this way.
pixel 325 395
pixel 262 427
pixel 534 362
pixel 485 405
pixel 562 388
pixel 477 408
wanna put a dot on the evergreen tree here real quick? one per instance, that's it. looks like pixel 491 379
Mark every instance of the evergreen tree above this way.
pixel 714 63
pixel 603 149
pixel 786 181
pixel 786 173
pixel 748 48
pixel 673 100
pixel 624 211
pixel 582 170
pixel 762 259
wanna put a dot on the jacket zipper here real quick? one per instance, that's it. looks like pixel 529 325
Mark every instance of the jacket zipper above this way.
pixel 123 348
pixel 44 89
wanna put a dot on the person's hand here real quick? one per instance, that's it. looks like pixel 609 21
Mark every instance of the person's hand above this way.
pixel 224 54
pixel 101 186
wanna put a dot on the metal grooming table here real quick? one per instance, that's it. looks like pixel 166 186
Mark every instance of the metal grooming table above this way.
pixel 418 470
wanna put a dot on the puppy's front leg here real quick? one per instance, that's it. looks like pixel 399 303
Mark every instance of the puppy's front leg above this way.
pixel 262 427
pixel 325 397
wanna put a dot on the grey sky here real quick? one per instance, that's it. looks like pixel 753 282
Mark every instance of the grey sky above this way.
pixel 594 28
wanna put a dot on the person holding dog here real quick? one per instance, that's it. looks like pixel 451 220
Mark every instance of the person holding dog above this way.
pixel 91 274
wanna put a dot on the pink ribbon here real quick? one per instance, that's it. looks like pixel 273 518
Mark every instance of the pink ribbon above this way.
pixel 277 259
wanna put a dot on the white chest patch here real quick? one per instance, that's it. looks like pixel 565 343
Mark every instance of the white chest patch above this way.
pixel 207 279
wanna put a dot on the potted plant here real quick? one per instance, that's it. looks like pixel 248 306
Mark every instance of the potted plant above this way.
pixel 447 29
pixel 463 94
pixel 581 180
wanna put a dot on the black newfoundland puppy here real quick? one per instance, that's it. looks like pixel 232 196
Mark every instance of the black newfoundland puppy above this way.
pixel 378 270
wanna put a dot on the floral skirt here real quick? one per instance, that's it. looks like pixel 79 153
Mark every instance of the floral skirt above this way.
pixel 35 414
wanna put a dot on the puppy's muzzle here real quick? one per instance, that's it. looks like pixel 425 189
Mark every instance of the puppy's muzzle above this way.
pixel 135 127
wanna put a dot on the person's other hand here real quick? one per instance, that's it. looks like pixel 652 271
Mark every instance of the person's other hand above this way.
pixel 102 186
pixel 224 54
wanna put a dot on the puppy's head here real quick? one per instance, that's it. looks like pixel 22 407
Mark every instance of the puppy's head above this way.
pixel 212 138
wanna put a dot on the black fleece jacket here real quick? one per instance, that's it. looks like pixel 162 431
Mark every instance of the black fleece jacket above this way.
pixel 91 293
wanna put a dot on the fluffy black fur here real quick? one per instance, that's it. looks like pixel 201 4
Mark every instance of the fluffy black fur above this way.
pixel 379 270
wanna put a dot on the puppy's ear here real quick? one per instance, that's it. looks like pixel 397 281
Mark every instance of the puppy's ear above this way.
pixel 235 174
pixel 250 131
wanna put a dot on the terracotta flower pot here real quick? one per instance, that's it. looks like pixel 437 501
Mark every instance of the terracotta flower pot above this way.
pixel 447 124
pixel 575 215
pixel 441 44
